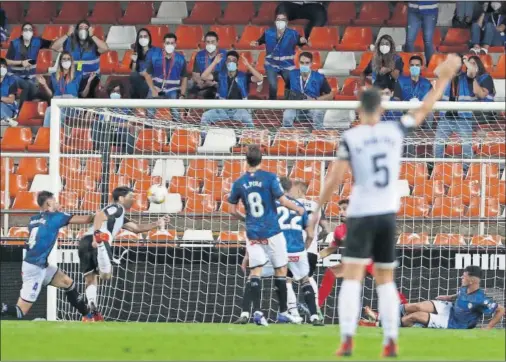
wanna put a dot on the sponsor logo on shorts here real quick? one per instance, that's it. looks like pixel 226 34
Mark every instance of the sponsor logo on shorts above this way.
pixel 485 261
pixel 260 242
pixel 293 259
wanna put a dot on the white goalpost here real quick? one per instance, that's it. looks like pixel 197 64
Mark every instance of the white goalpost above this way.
pixel 452 207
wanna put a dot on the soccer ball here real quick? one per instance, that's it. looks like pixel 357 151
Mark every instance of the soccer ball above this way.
pixel 157 194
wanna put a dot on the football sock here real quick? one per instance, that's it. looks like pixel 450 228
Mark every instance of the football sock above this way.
pixel 104 262
pixel 255 291
pixel 246 299
pixel 291 300
pixel 388 308
pixel 91 295
pixel 315 289
pixel 73 298
pixel 12 311
pixel 403 298
pixel 308 291
pixel 281 290
pixel 349 307
pixel 328 282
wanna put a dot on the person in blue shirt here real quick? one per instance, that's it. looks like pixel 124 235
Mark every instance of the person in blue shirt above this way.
pixel 8 89
pixel 307 84
pixel 36 271
pixel 258 190
pixel 421 15
pixel 138 87
pixel 234 84
pixel 463 310
pixel 489 29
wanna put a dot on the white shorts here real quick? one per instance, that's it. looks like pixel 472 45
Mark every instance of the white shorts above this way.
pixel 298 264
pixel 442 315
pixel 34 277
pixel 272 249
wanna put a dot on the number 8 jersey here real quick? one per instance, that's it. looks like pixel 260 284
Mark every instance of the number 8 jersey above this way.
pixel 258 191
pixel 374 153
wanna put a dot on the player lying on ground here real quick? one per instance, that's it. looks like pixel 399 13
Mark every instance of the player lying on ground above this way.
pixel 463 310
pixel 259 191
pixel 334 272
pixel 35 270
pixel 95 252
pixel 373 150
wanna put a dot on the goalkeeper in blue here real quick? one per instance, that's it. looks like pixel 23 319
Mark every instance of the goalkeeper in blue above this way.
pixel 35 269
pixel 259 190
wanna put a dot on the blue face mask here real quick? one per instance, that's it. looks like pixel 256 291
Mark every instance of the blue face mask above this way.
pixel 232 67
pixel 415 71
pixel 115 95
pixel 305 68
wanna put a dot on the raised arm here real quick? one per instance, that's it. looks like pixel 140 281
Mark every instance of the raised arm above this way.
pixel 81 219
pixel 142 228
pixel 447 298
pixel 256 75
pixel 208 73
pixel 289 204
pixel 102 46
pixel 234 210
pixel 58 43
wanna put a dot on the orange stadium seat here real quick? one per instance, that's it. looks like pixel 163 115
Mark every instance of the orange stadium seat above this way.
pixel 475 170
pixel 41 143
pixel 265 14
pixel 134 168
pixel 399 16
pixel 449 240
pixel 32 113
pixel 93 168
pixel 334 85
pixel 332 209
pixel 202 169
pixel 137 13
pixel 365 59
pixel 466 189
pixel 486 240
pixel 72 12
pixel 429 189
pixel 40 12
pixel 14 9
pixel 448 172
pixel 317 61
pixel 162 235
pixel 142 186
pixel 500 68
pixel 279 167
pixel 413 206
pixel 455 41
pixel 435 61
pixel 306 170
pixel 348 91
pixel 227 35
pixel 414 172
pixel 356 39
pixel 204 13
pixel 183 141
pixel 69 200
pixel 3 53
pixel 157 33
pixel 79 140
pixel 448 207
pixel 109 62
pixel 107 12
pixel 217 187
pixel 346 191
pixel 184 185
pixel 225 206
pixel 31 166
pixel 249 34
pixel 314 188
pixel 80 185
pixel 124 66
pixel 25 200
pixel 493 145
pixel 15 32
pixel 436 40
pixel 413 239
pixel 151 140
pixel 492 207
pixel 18 232
pixel 70 167
pixel 140 202
pixel 189 36
pixel 233 169
pixel 259 137
pixel 91 201
pixel 487 61
pixel 53 32
pixel 497 189
pixel 16 183
pixel 341 13
pixel 286 145
pixel 232 237
pixel 237 13
pixel 44 61
pixel 347 178
pixel 116 180
pixel 373 13
pixel 321 147
pixel 16 139
pixel 242 66
pixel 200 204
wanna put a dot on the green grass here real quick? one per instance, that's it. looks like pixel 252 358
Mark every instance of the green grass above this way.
pixel 164 341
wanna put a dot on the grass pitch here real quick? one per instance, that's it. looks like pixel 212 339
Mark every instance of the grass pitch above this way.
pixel 164 341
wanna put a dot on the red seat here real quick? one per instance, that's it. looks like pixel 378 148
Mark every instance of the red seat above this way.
pixel 44 61
pixel 399 16
pixel 72 12
pixel 466 189
pixel 249 34
pixel 70 168
pixel 107 12
pixel 492 207
pixel 25 200
pixel 162 235
pixel 109 62
pixel 15 32
pixel 91 201
pixel 200 204
pixel 16 139
pixel 500 68
pixel 449 240
pixel 68 200
pixel 455 41
pixel 32 113
pixel 487 61
pixel 355 39
pixel 79 140
pixel 40 12
pixel 413 206
pixel 137 13
pixel 448 207
pixel 134 168
pixel 183 185
pixel 279 167
pixel 189 36
pixel 436 40
pixel 217 187
pixel 202 169
pixel 233 169
pixel 53 32
pixel 435 61
pixel 493 145
pixel 14 11
pixel 350 86
pixel 30 166
pixel 226 34
pixel 204 13
pixel 341 13
pixel 373 13
pixel 323 38
pixel 237 13
pixel 317 61
pixel 496 189
pixel 41 143
pixel 332 209
pixel 486 240
pixel 321 147
pixel 151 140
pixel 475 169
pixel 429 189
pixel 448 172
pixel 80 185
pixel 365 59
pixel 413 239
pixel 287 145
pixel 17 183
pixel 183 141
pixel 306 170
pixel 266 13
pixel 157 33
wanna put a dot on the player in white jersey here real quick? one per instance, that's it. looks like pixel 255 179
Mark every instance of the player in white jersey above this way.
pixel 373 150
pixel 95 253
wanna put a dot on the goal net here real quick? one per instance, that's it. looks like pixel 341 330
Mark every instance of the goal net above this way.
pixel 451 187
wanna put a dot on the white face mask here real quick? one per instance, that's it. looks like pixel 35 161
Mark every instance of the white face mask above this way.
pixel 210 48
pixel 385 98
pixel 27 35
pixel 83 34
pixel 169 48
pixel 3 71
pixel 384 49
pixel 143 42
pixel 66 64
pixel 280 24
pixel 496 5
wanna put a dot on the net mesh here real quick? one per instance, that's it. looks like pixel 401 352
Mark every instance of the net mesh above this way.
pixel 452 213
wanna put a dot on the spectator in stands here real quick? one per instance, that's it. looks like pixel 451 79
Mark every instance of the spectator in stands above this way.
pixel 8 105
pixel 65 83
pixel 280 43
pixel 309 85
pixel 85 47
pixel 201 88
pixel 313 11
pixel 489 29
pixel 412 87
pixel 422 14
pixel 473 85
pixel 165 72
pixel 233 84
pixel 142 49
pixel 386 65
pixel 22 61
pixel 465 13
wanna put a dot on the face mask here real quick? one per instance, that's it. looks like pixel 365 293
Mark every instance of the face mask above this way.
pixel 27 35
pixel 143 42
pixel 385 98
pixel 414 70
pixel 384 49
pixel 3 71
pixel 115 95
pixel 210 48
pixel 280 24
pixel 66 64
pixel 83 34
pixel 305 68
pixel 169 48
pixel 232 67
pixel 496 5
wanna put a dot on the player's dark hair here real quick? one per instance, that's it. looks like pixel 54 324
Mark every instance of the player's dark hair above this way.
pixel 120 191
pixel 254 155
pixel 308 55
pixel 43 196
pixel 286 183
pixel 170 36
pixel 343 202
pixel 370 100
pixel 233 53
pixel 416 57
pixel 212 34
pixel 3 61
pixel 473 271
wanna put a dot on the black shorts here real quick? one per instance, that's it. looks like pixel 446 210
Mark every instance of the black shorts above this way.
pixel 371 237
pixel 88 255
pixel 313 260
